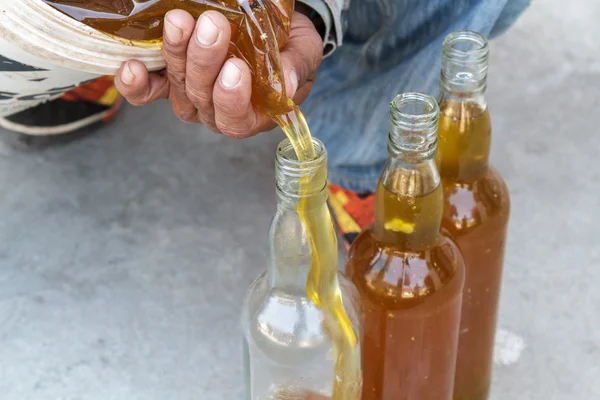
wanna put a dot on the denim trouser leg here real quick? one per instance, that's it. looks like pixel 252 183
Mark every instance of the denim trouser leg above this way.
pixel 392 46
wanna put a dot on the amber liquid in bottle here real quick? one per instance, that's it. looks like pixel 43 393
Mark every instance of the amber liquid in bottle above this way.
pixel 260 28
pixel 410 278
pixel 476 209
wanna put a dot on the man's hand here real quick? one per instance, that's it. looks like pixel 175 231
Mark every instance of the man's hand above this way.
pixel 204 86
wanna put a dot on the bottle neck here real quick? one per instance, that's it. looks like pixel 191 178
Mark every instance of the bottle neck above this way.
pixel 409 204
pixel 290 247
pixel 464 127
pixel 301 197
pixel 463 81
pixel 464 136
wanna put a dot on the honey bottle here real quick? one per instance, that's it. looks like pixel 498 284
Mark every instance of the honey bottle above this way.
pixel 476 209
pixel 409 275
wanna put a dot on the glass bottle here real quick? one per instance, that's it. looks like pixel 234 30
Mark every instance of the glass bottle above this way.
pixel 287 349
pixel 409 275
pixel 477 204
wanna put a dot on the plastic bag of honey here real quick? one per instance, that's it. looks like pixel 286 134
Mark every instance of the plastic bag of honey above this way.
pixel 260 28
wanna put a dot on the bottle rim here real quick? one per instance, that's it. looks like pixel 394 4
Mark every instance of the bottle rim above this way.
pixel 295 179
pixel 414 111
pixel 288 163
pixel 413 126
pixel 465 48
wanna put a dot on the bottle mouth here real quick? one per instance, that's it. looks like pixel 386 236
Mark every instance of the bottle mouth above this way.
pixel 466 48
pixel 288 163
pixel 413 125
pixel 297 179
pixel 414 111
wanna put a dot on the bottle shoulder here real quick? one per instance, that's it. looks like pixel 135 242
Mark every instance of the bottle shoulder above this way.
pixel 260 290
pixel 469 206
pixel 384 274
pixel 279 322
pixel 494 176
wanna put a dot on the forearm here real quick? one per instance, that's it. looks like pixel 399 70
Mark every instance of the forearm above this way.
pixel 327 17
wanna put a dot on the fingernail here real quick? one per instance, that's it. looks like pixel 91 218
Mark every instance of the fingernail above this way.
pixel 294 80
pixel 231 75
pixel 127 76
pixel 207 32
pixel 172 33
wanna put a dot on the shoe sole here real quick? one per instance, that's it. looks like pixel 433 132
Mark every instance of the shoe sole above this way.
pixel 55 130
pixel 104 116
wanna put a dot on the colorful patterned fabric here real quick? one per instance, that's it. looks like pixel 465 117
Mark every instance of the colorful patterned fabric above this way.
pixel 352 211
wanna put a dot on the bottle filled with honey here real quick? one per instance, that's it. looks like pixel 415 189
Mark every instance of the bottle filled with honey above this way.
pixel 477 204
pixel 288 345
pixel 409 275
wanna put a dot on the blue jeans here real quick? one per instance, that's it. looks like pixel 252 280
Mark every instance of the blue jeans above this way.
pixel 390 47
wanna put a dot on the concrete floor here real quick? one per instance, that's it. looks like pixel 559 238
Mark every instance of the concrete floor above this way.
pixel 125 254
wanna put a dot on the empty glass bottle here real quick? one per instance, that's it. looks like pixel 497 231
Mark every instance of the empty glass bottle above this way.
pixel 477 205
pixel 287 349
pixel 409 276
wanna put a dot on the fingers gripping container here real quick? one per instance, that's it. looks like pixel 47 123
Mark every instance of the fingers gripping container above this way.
pixel 44 53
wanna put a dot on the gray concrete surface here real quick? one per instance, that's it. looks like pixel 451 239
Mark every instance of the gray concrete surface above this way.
pixel 125 254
